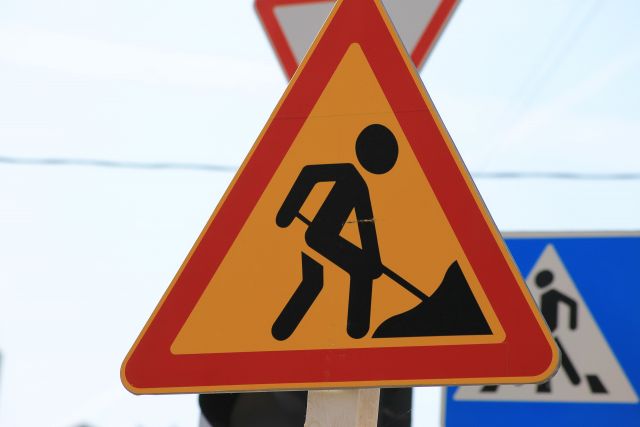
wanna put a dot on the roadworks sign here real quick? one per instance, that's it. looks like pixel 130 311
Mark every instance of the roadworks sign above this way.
pixel 351 249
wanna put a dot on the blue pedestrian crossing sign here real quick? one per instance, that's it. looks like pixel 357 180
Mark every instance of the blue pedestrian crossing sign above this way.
pixel 587 287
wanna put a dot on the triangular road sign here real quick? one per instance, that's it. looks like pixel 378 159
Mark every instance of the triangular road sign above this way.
pixel 293 24
pixel 351 249
pixel 589 371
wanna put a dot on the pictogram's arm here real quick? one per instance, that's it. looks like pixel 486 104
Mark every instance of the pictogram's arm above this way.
pixel 308 178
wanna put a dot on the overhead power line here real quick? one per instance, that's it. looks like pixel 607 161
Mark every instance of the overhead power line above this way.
pixel 212 167
pixel 585 176
pixel 115 164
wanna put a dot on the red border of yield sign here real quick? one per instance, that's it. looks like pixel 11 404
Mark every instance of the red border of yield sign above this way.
pixel 266 12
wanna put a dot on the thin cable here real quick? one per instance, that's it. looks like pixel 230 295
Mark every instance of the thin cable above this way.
pixel 582 176
pixel 115 164
pixel 555 54
pixel 212 167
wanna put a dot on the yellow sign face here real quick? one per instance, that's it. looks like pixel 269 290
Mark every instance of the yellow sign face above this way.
pixel 263 268
pixel 350 250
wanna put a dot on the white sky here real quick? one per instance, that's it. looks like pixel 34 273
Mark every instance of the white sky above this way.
pixel 85 253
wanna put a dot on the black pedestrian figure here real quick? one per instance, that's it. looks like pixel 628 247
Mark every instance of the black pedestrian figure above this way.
pixel 551 300
pixel 550 306
pixel 452 310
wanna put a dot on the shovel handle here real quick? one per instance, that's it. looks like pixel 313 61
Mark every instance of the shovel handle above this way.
pixel 385 270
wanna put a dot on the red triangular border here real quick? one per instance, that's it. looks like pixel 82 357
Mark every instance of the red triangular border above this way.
pixel 266 12
pixel 527 354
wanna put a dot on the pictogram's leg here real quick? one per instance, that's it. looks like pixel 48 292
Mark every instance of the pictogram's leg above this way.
pixel 359 312
pixel 301 300
pixel 567 365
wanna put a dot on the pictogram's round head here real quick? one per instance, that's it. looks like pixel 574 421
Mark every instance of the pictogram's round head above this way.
pixel 377 149
pixel 544 278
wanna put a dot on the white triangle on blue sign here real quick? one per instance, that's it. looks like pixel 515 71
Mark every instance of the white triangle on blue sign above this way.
pixel 589 371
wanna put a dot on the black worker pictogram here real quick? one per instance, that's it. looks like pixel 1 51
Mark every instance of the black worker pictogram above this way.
pixel 451 310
